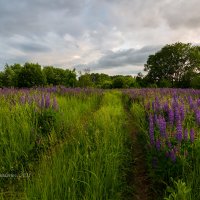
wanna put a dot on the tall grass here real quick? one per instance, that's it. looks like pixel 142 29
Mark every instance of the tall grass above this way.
pixel 26 132
pixel 89 165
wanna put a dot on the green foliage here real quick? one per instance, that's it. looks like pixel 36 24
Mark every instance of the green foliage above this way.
pixel 195 82
pixel 31 75
pixel 85 80
pixel 58 76
pixel 46 121
pixel 180 191
pixel 172 63
pixel 164 83
pixel 89 165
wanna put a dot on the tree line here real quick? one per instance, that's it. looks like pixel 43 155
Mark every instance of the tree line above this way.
pixel 175 65
pixel 33 75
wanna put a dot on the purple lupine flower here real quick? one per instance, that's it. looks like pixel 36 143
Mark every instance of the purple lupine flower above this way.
pixel 162 126
pixel 182 112
pixel 191 102
pixel 47 101
pixel 169 144
pixel 192 135
pixel 175 103
pixel 172 155
pixel 158 144
pixel 197 116
pixel 157 104
pixel 198 102
pixel 166 107
pixel 176 114
pixel 55 104
pixel 171 116
pixel 179 131
pixel 156 119
pixel 186 135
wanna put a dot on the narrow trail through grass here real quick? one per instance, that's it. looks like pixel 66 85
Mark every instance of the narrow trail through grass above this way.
pixel 141 182
pixel 138 178
pixel 100 158
pixel 89 164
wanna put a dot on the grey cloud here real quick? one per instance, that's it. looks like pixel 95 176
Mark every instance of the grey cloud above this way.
pixel 38 17
pixel 63 30
pixel 32 48
pixel 134 57
pixel 181 14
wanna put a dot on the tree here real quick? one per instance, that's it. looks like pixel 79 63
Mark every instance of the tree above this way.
pixel 118 82
pixel 1 79
pixel 85 81
pixel 8 76
pixel 58 76
pixel 195 82
pixel 172 63
pixel 71 80
pixel 31 75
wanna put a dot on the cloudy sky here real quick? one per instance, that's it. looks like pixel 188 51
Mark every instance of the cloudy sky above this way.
pixel 109 36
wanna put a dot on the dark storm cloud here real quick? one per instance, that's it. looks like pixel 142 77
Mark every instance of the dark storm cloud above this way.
pixel 126 57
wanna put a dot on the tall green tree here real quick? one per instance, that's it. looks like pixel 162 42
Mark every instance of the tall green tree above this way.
pixel 8 77
pixel 172 63
pixel 31 75
pixel 58 76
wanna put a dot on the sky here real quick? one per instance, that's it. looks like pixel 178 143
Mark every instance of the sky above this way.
pixel 104 36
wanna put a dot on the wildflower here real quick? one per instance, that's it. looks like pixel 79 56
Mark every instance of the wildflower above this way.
pixel 171 116
pixel 158 144
pixel 179 131
pixel 169 144
pixel 182 112
pixel 166 107
pixel 176 114
pixel 151 129
pixel 162 126
pixel 197 115
pixel 47 101
pixel 192 135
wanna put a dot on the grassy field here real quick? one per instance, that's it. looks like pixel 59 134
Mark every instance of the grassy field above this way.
pixel 63 146
pixel 59 143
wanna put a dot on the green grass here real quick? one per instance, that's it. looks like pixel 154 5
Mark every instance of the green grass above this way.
pixel 79 151
pixel 89 165
pixel 22 136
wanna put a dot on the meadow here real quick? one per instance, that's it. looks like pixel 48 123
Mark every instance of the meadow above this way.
pixel 63 143
pixel 168 121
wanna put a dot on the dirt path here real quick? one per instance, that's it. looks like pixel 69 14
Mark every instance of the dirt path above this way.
pixel 141 182
pixel 138 177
